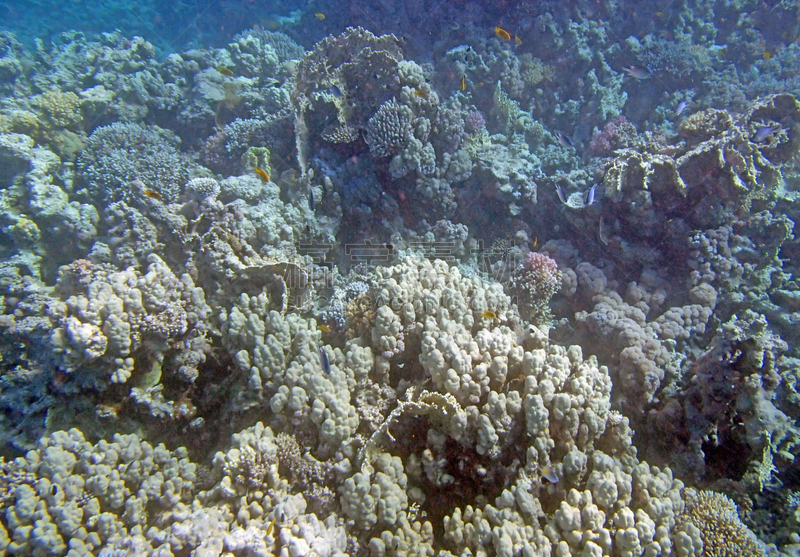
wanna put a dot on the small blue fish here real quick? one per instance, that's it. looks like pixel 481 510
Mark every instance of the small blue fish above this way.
pixel 765 132
pixel 591 198
pixel 560 192
pixel 549 474
pixel 564 140
pixel 683 105
pixel 335 91
pixel 323 361
pixel 311 203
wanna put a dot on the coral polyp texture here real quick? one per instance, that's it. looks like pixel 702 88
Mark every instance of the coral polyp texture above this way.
pixel 471 278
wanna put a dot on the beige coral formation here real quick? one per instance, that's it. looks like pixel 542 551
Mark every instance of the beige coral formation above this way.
pixel 330 85
pixel 501 444
pixel 710 526
pixel 533 71
pixel 719 150
pixel 62 109
pixel 107 314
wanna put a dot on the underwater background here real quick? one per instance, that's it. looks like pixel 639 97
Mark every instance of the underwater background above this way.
pixel 400 278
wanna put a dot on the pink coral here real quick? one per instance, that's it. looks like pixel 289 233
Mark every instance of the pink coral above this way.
pixel 474 121
pixel 616 134
pixel 541 266
pixel 533 283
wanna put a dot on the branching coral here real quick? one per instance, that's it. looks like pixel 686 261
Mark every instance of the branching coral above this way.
pixel 710 525
pixel 121 153
pixel 388 130
pixel 533 283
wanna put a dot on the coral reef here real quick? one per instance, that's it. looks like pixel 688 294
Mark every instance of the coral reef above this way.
pixel 460 279
pixel 542 413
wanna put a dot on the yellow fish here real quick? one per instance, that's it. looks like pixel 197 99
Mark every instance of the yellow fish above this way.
pixel 261 174
pixel 488 314
pixel 502 34
pixel 463 82
pixel 324 328
pixel 152 194
pixel 422 93
pixel 225 71
pixel 517 40
pixel 270 527
pixel 319 15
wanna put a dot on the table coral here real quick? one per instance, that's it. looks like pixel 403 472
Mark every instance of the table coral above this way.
pixel 716 144
pixel 339 64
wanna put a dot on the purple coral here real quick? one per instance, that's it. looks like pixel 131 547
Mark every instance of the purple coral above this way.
pixel 474 121
pixel 541 267
pixel 533 283
pixel 616 134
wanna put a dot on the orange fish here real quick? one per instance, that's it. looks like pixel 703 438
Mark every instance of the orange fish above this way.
pixel 502 34
pixel 261 174
pixel 152 194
